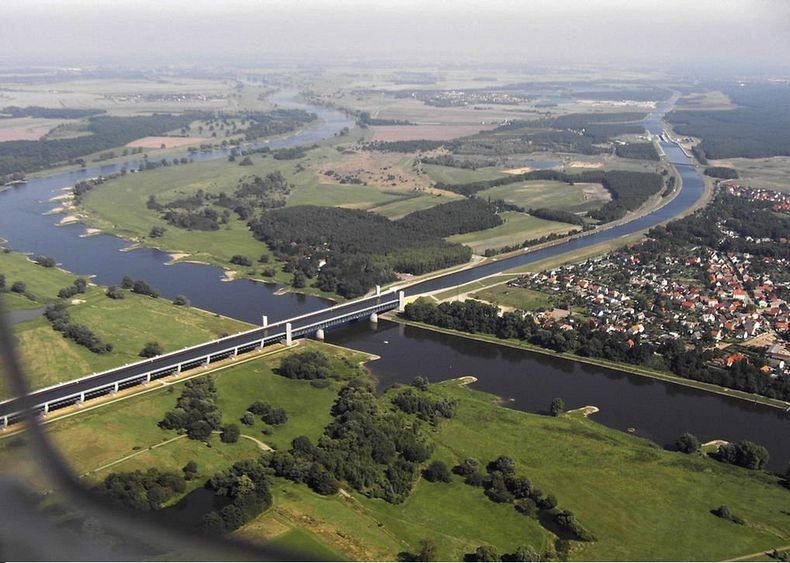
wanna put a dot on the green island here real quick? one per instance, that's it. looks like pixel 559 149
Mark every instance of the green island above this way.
pixel 633 500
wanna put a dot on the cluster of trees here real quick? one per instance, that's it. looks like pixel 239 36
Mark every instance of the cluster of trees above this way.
pixel 758 127
pixel 643 151
pixel 419 145
pixel 105 132
pixel 61 321
pixel 532 242
pixel 745 454
pixel 139 286
pixel 196 411
pixel 79 286
pixel 151 350
pixel 199 210
pixel 44 261
pixel 376 452
pixel 453 162
pixel 310 364
pixel 456 217
pixel 291 153
pixel 268 413
pixel 142 490
pixel 361 249
pixel 364 120
pixel 426 408
pixel 559 215
pixel 245 486
pixel 629 190
pixel 9 112
pixel 723 172
pixel 503 485
pixel 275 122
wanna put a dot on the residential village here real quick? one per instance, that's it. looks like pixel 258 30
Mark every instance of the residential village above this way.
pixel 734 302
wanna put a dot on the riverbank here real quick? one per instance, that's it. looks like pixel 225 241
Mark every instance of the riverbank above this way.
pixel 669 493
pixel 625 368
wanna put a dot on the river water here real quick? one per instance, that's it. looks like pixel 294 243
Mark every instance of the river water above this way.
pixel 656 410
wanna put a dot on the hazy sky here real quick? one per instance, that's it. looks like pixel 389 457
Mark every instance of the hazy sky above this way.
pixel 654 32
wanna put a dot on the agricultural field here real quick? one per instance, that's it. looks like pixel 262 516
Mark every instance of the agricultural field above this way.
pixel 662 499
pixel 129 323
pixel 548 194
pixel 518 227
pixel 28 128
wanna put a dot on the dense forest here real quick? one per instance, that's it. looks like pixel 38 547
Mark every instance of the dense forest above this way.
pixel 105 132
pixel 643 151
pixel 363 249
pixel 758 127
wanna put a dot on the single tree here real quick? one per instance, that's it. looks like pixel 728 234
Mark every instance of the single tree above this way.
pixel 437 471
pixel 151 349
pixel 557 407
pixel 687 443
pixel 230 433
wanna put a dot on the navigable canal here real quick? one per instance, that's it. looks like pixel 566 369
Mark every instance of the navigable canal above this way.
pixel 525 380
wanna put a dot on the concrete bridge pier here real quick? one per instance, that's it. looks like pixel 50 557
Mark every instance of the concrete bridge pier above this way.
pixel 401 301
pixel 82 399
pixel 46 408
pixel 319 334
pixel 4 424
pixel 288 334
pixel 378 290
pixel 265 321
pixel 147 378
pixel 374 318
pixel 115 389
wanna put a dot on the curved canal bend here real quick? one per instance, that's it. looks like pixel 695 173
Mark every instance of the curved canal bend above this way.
pixel 657 410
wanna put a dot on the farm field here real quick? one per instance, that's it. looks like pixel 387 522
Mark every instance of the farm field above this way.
pixel 554 195
pixel 518 227
pixel 166 142
pixel 663 499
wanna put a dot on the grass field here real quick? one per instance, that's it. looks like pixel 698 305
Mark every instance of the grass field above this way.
pixel 641 502
pixel 518 227
pixel 42 284
pixel 127 323
pixel 398 208
pixel 555 195
pixel 519 298
pixel 452 175
pixel 770 173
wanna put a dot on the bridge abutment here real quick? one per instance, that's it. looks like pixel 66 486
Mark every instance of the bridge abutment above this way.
pixel 374 318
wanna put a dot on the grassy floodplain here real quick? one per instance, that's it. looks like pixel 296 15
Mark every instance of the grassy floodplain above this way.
pixel 127 323
pixel 517 228
pixel 641 502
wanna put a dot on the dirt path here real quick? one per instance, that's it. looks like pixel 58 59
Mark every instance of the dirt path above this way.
pixel 261 445
pixel 759 553
pixel 130 456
